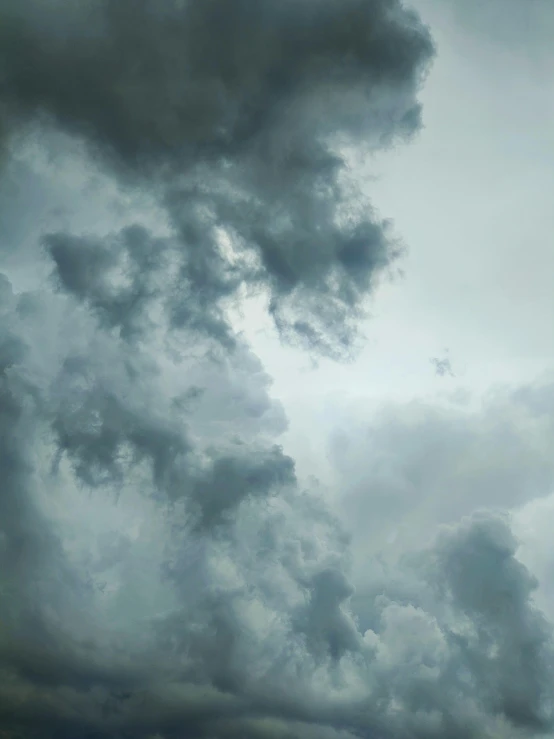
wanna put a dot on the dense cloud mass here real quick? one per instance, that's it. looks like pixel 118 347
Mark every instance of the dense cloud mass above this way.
pixel 163 573
pixel 235 114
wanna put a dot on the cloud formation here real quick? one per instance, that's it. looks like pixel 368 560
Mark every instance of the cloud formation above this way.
pixel 236 115
pixel 162 571
pixel 433 464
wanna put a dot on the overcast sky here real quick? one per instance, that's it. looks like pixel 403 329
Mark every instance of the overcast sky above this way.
pixel 276 382
pixel 471 199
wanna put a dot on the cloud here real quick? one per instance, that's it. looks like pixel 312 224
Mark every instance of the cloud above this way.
pixel 511 639
pixel 121 615
pixel 73 422
pixel 235 115
pixel 83 268
pixel 408 467
pixel 163 573
pixel 443 367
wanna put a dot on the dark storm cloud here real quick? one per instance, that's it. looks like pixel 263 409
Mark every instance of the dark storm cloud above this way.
pixel 510 641
pixel 23 535
pixel 122 278
pixel 238 477
pixel 106 435
pixel 224 75
pixel 163 574
pixel 83 267
pixel 235 114
pixel 100 413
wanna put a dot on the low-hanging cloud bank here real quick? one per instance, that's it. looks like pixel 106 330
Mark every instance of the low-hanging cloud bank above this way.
pixel 162 572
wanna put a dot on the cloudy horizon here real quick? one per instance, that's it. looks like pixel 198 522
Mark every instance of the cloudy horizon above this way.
pixel 276 380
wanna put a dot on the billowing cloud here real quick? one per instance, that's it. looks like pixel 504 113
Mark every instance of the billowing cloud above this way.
pixel 236 115
pixel 163 573
pixel 412 466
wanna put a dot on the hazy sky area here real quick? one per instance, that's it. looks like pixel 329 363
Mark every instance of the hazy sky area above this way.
pixel 276 380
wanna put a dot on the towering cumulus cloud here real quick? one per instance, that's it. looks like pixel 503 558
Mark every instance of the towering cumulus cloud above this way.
pixel 162 572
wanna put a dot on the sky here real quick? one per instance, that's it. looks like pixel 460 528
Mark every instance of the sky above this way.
pixel 276 382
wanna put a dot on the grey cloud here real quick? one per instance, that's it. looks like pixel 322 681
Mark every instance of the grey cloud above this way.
pixel 163 572
pixel 100 411
pixel 83 268
pixel 442 366
pixel 475 641
pixel 449 663
pixel 235 114
pixel 229 479
pixel 125 277
pixel 22 535
pixel 105 436
pixel 249 627
pixel 325 624
pixel 510 641
pixel 234 65
pixel 37 584
pixel 413 466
